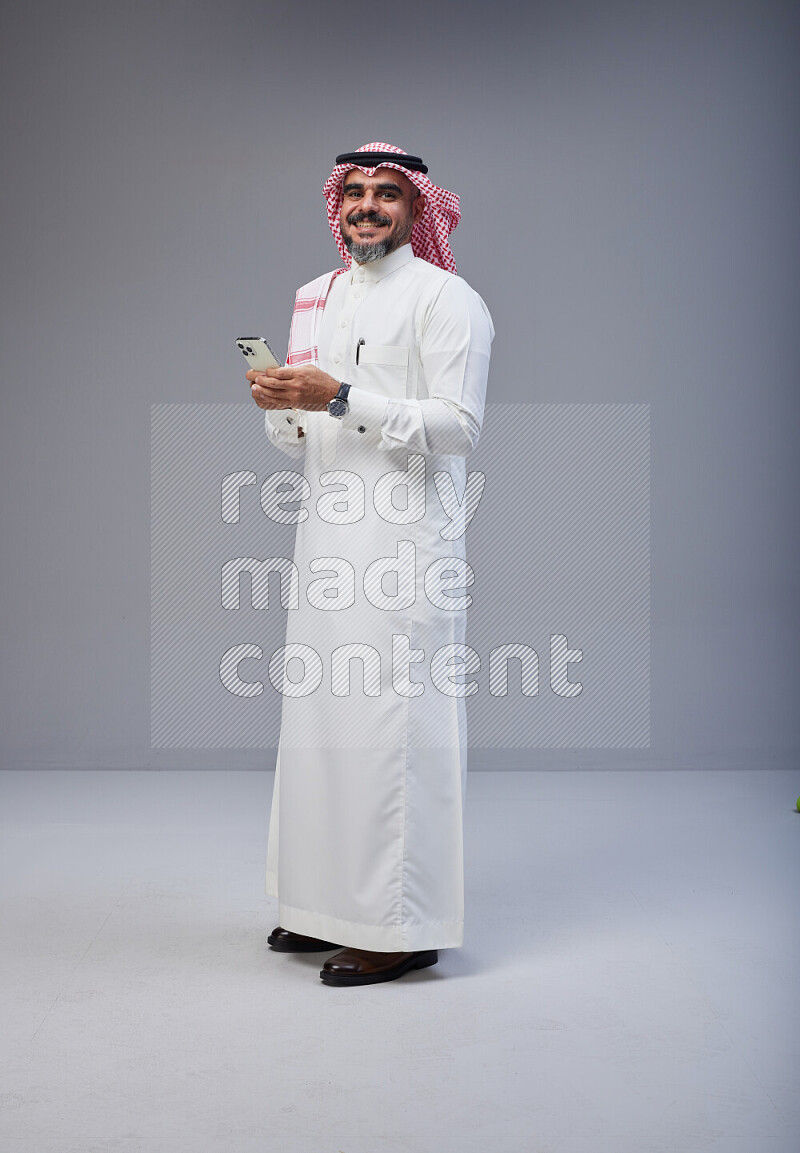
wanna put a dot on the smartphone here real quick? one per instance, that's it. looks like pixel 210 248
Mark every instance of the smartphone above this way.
pixel 257 353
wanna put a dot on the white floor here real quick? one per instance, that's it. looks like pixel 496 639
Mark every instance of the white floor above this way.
pixel 629 981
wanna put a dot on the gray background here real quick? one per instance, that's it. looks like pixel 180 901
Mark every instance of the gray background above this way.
pixel 627 173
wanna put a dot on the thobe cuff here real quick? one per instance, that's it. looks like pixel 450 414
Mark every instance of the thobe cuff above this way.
pixel 365 415
pixel 286 423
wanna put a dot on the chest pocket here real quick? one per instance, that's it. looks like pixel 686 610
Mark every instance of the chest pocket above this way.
pixel 383 368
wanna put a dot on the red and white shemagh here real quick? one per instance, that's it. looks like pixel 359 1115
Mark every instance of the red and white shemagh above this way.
pixel 440 216
pixel 304 332
pixel 428 240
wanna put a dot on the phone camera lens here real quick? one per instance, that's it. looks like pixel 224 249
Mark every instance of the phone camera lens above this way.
pixel 249 350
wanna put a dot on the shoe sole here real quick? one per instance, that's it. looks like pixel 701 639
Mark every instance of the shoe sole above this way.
pixel 421 961
pixel 317 947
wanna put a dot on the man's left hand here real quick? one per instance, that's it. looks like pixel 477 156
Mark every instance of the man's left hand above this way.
pixel 301 386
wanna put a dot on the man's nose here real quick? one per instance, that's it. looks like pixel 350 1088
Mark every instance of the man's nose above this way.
pixel 369 202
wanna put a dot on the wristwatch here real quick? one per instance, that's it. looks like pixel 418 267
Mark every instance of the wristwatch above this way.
pixel 339 405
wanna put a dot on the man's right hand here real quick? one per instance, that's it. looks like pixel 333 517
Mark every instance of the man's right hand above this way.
pixel 301 386
pixel 263 397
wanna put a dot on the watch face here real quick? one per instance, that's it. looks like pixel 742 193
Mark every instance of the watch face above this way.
pixel 337 407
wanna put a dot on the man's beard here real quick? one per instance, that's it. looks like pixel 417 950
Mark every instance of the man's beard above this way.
pixel 365 253
pixel 375 249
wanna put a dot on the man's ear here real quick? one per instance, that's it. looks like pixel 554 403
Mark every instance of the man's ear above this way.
pixel 418 207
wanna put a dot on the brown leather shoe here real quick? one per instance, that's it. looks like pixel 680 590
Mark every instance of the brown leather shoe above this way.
pixel 359 967
pixel 284 941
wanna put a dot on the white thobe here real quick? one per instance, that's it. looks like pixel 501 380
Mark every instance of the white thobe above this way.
pixel 365 840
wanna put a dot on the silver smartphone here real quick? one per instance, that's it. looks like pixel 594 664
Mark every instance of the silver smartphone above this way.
pixel 257 353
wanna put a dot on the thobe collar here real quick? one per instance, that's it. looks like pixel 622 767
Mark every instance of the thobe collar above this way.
pixel 375 270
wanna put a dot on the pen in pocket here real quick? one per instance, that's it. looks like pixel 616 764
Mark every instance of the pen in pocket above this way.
pixel 358 348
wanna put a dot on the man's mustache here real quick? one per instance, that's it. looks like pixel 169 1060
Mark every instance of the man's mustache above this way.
pixel 367 217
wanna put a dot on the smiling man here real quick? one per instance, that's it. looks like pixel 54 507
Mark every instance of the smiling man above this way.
pixel 385 378
pixel 378 213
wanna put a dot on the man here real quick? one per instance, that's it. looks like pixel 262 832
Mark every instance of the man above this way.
pixel 383 397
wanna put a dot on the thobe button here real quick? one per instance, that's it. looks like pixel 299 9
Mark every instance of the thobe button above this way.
pixel 337 359
pixel 361 428
pixel 343 324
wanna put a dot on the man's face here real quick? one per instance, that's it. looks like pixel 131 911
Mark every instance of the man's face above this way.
pixel 378 212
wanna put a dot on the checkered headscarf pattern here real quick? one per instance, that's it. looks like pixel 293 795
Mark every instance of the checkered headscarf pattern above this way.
pixel 429 238
pixel 308 307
